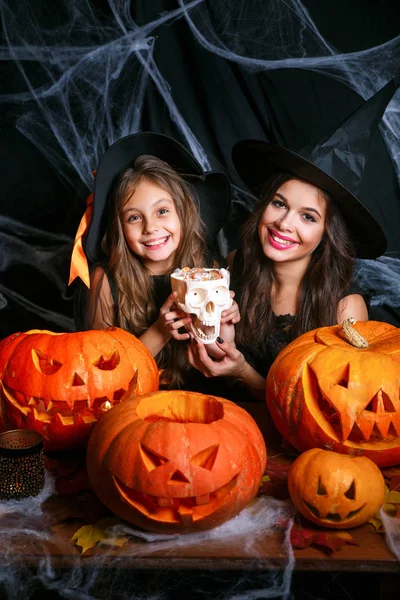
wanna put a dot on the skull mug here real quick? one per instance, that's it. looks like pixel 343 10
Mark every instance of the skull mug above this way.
pixel 204 293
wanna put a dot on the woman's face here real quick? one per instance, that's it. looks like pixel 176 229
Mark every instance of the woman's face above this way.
pixel 151 226
pixel 293 223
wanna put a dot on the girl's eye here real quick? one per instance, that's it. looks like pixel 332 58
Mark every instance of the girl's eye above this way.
pixel 133 218
pixel 162 211
pixel 308 217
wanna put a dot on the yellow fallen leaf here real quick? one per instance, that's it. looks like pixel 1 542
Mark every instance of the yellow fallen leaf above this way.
pixel 377 523
pixel 392 497
pixel 264 479
pixel 89 536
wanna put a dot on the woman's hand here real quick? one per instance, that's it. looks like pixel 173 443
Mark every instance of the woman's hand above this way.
pixel 232 364
pixel 232 314
pixel 229 318
pixel 171 319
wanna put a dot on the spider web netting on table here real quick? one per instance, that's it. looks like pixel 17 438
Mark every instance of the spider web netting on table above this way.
pixel 79 77
pixel 110 574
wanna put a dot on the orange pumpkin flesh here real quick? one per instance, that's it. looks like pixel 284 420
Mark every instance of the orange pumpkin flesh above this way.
pixel 334 490
pixel 58 383
pixel 176 461
pixel 323 392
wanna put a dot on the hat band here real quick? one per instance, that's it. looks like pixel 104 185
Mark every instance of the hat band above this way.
pixel 79 265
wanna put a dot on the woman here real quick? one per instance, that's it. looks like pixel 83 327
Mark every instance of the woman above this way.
pixel 293 270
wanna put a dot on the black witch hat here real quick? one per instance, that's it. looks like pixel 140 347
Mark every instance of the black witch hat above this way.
pixel 212 188
pixel 337 164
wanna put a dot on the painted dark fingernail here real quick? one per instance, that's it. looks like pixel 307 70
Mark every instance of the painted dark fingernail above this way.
pixel 195 341
pixel 220 340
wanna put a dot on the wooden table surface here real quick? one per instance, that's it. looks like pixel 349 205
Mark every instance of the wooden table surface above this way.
pixel 370 555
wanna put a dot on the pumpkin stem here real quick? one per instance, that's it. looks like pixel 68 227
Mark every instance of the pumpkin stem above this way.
pixel 352 335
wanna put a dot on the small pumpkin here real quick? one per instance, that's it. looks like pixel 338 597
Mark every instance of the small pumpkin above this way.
pixel 59 383
pixel 324 392
pixel 334 490
pixel 176 461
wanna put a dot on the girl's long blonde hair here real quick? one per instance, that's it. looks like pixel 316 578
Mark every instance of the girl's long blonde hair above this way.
pixel 137 308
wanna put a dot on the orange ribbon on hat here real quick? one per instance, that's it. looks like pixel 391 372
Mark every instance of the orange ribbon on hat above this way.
pixel 79 265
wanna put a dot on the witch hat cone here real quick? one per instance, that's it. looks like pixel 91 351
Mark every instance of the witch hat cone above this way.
pixel 338 164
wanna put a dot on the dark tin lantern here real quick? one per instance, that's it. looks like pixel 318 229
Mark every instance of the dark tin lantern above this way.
pixel 21 464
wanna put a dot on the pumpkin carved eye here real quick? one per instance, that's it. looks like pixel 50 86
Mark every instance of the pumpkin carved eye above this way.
pixel 206 458
pixel 150 459
pixel 351 492
pixel 44 364
pixel 108 363
pixel 321 491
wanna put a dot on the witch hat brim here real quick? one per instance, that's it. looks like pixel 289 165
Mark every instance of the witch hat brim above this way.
pixel 256 161
pixel 213 188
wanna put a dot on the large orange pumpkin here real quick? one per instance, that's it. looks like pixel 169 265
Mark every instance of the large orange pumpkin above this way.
pixel 335 491
pixel 323 392
pixel 59 383
pixel 176 461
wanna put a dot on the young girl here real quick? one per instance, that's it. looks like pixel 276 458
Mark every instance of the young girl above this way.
pixel 293 270
pixel 145 225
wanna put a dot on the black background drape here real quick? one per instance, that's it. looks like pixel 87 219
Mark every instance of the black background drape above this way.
pixel 220 100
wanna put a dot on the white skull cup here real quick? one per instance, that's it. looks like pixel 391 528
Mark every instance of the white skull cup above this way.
pixel 204 293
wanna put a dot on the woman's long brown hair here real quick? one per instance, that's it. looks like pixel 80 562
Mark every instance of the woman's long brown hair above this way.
pixel 324 284
pixel 137 308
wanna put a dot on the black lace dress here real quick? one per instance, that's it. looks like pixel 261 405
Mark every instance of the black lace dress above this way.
pixel 194 380
pixel 261 356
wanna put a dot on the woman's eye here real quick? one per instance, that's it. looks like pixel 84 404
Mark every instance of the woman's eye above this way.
pixel 278 203
pixel 308 217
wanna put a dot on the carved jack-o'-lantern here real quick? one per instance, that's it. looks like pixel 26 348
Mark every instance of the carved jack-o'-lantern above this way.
pixel 334 490
pixel 176 461
pixel 324 392
pixel 59 383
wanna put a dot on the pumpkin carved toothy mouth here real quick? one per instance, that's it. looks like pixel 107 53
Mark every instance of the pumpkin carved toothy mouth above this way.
pixel 59 384
pixel 176 461
pixel 333 517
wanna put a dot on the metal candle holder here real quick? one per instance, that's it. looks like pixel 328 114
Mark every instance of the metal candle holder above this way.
pixel 21 464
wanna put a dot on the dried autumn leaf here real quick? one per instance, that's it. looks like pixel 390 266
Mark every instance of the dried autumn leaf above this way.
pixel 392 497
pixel 278 471
pixel 394 484
pixel 89 536
pixel 391 507
pixel 332 541
pixel 274 482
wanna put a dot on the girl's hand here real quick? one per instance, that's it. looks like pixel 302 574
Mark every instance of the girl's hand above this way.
pixel 171 319
pixel 232 364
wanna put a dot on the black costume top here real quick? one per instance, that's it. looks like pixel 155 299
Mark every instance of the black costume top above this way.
pixel 261 356
pixel 194 380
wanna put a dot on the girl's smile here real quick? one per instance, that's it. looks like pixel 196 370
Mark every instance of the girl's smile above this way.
pixel 293 223
pixel 151 226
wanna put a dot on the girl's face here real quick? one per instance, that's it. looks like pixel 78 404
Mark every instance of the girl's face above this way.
pixel 293 223
pixel 151 226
